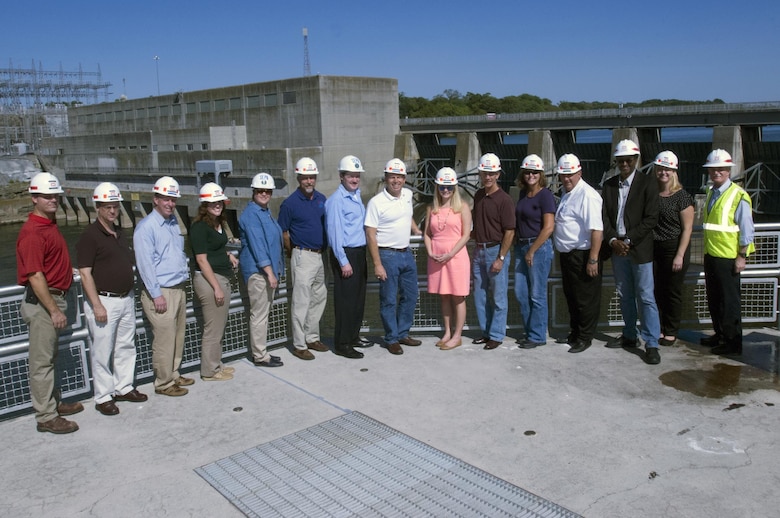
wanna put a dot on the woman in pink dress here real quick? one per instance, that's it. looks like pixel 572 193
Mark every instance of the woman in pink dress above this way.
pixel 448 228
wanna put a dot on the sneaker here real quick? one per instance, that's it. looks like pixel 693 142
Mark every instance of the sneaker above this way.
pixel 184 382
pixel 218 376
pixel 58 425
pixel 227 370
pixel 303 354
pixel 173 391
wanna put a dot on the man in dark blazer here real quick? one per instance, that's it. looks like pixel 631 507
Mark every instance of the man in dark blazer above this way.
pixel 630 211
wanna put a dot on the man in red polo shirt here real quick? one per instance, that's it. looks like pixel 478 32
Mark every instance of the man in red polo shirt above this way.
pixel 43 267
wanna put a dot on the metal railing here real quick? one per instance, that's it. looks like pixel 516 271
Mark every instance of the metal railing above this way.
pixel 759 307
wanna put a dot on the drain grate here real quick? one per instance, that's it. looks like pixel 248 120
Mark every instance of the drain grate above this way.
pixel 356 466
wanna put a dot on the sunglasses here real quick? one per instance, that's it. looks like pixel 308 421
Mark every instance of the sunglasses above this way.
pixel 263 191
pixel 530 172
pixel 446 188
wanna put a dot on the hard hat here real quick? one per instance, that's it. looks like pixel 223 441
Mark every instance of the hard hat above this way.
pixel 719 158
pixel 106 192
pixel 533 163
pixel 306 166
pixel 626 148
pixel 489 162
pixel 167 186
pixel 351 164
pixel 568 164
pixel 395 166
pixel 667 159
pixel 263 181
pixel 446 176
pixel 211 192
pixel 45 183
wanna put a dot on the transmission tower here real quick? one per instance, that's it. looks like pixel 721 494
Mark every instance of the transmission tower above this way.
pixel 306 63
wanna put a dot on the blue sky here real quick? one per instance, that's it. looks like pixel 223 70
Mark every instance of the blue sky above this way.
pixel 560 50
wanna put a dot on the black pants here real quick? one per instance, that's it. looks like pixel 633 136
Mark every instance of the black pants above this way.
pixel 723 298
pixel 669 284
pixel 349 297
pixel 583 293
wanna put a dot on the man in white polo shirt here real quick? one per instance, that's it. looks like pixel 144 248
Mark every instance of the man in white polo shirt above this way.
pixel 388 225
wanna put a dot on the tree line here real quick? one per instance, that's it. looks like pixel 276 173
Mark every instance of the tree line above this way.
pixel 451 103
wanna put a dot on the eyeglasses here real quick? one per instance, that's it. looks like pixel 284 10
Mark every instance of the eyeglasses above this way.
pixel 443 188
pixel 527 172
pixel 263 191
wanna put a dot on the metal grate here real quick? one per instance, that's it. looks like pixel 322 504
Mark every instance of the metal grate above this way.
pixel 356 466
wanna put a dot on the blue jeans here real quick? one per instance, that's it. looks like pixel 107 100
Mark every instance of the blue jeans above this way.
pixel 636 287
pixel 490 292
pixel 397 294
pixel 531 289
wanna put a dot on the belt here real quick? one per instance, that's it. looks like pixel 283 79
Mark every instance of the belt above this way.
pixel 526 240
pixel 394 249
pixel 59 293
pixel 179 286
pixel 489 244
pixel 114 294
pixel 308 249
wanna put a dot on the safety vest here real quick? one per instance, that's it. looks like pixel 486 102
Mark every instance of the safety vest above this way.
pixel 721 232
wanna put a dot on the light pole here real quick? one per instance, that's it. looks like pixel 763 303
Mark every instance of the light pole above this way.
pixel 157 69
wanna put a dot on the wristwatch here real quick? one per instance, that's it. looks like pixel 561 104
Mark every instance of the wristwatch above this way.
pixel 501 257
pixel 593 261
pixel 743 255
pixel 627 241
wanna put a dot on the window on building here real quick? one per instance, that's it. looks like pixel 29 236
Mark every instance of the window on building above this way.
pixel 140 113
pixel 144 147
pixel 119 116
pixel 235 103
pixel 204 147
pixel 190 147
pixel 176 109
pixel 165 111
pixel 288 97
pixel 270 99
pixel 175 147
pixel 154 148
pixel 192 108
pixel 205 106
pixel 219 105
pixel 100 117
pixel 253 101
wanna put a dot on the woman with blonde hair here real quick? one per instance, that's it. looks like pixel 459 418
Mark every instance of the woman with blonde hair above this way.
pixel 671 240
pixel 448 229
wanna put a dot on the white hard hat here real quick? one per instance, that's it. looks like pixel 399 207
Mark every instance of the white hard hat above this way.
pixel 306 166
pixel 106 192
pixel 45 183
pixel 667 159
pixel 167 186
pixel 568 164
pixel 351 164
pixel 446 176
pixel 719 158
pixel 489 162
pixel 211 192
pixel 533 163
pixel 263 181
pixel 395 166
pixel 626 147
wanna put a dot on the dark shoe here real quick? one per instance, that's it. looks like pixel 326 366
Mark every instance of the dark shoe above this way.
pixel 579 346
pixel 621 341
pixel 363 343
pixel 133 396
pixel 275 361
pixel 173 391
pixel 69 409
pixel 491 344
pixel 58 425
pixel 711 341
pixel 107 408
pixel 571 339
pixel 317 346
pixel 395 348
pixel 727 350
pixel 348 352
pixel 528 344
pixel 652 356
pixel 184 382
pixel 410 341
pixel 667 343
pixel 303 354
pixel 480 340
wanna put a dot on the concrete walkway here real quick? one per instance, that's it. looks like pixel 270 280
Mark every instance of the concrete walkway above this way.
pixel 600 433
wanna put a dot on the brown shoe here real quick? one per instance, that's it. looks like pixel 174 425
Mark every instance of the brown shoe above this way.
pixel 69 409
pixel 58 425
pixel 133 396
pixel 409 341
pixel 303 354
pixel 491 344
pixel 184 382
pixel 107 408
pixel 317 346
pixel 395 348
pixel 173 391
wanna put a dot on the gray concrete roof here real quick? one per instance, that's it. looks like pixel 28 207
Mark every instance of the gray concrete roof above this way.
pixel 600 433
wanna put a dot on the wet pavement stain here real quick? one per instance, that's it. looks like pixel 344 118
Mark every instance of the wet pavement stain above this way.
pixel 723 380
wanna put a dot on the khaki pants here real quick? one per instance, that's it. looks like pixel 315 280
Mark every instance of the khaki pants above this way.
pixel 309 295
pixel 261 296
pixel 168 329
pixel 214 320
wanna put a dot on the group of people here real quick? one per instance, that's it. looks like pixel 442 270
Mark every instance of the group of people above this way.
pixel 642 222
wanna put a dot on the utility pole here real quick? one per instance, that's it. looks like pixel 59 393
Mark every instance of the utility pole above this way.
pixel 157 68
pixel 306 63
